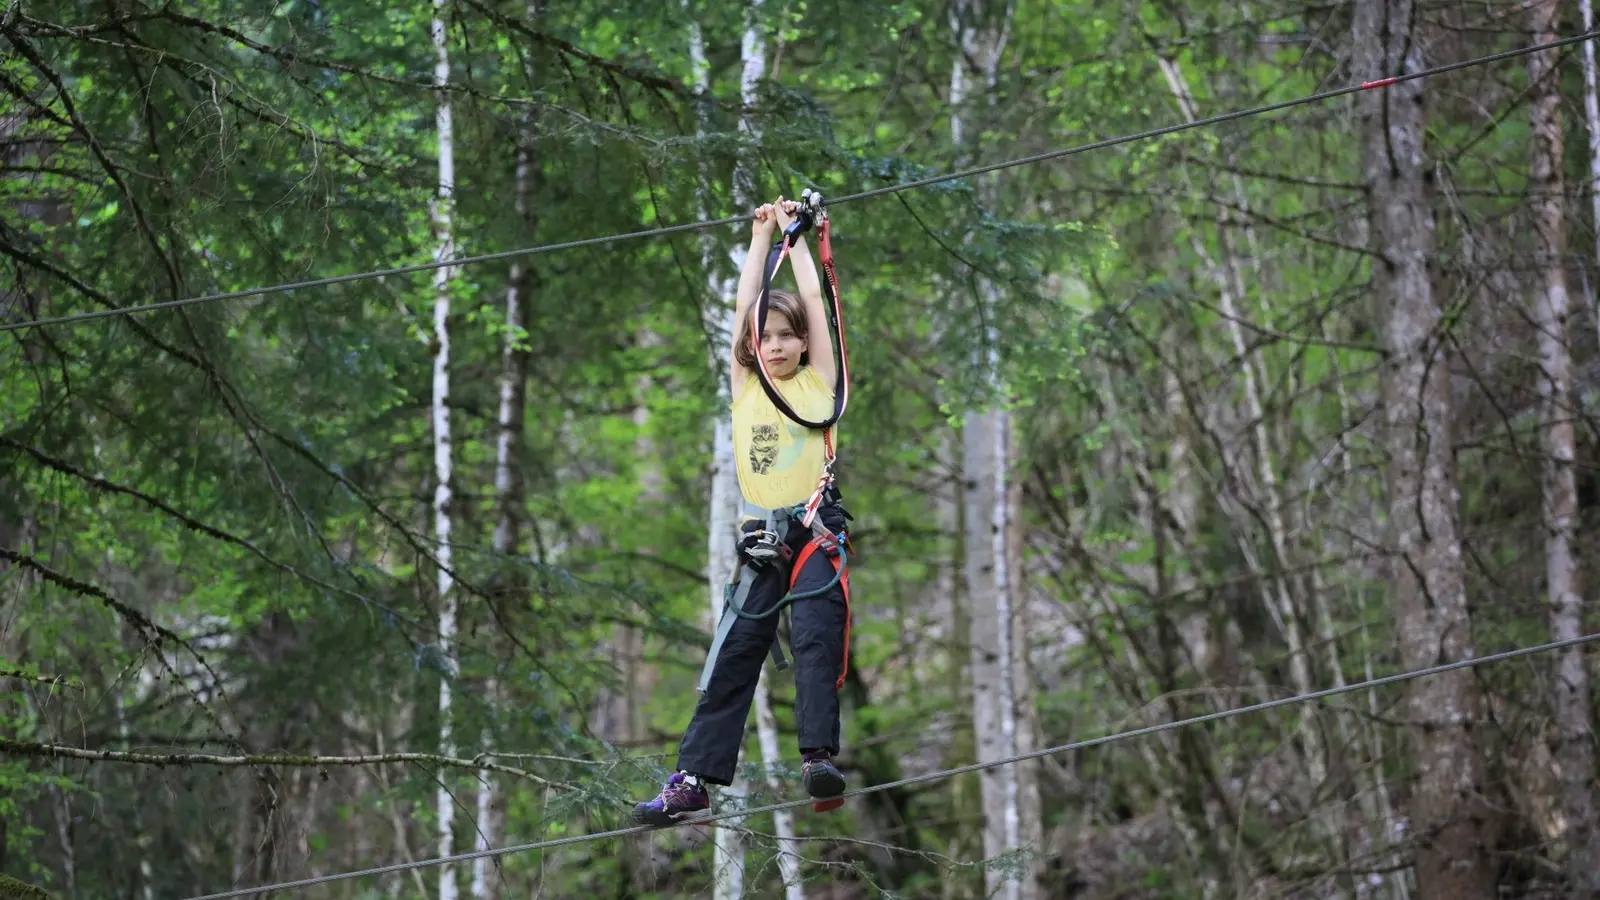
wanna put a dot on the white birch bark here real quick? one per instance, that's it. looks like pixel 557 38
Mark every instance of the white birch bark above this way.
pixel 442 452
pixel 789 858
pixel 728 854
pixel 143 682
pixel 998 660
pixel 508 496
pixel 1591 109
pixel 1570 702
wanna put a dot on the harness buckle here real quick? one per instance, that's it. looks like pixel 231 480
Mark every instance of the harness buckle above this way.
pixel 762 545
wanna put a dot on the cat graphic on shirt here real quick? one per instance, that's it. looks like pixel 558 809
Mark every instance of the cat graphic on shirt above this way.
pixel 763 447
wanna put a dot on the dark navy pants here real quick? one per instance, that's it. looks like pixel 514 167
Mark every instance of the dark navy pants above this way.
pixel 710 747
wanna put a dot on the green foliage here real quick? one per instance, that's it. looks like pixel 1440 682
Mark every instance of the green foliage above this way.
pixel 221 513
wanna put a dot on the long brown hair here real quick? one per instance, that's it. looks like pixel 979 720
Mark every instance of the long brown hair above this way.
pixel 783 304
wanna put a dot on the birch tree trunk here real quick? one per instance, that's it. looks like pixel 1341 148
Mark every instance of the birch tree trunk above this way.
pixel 508 477
pixel 998 658
pixel 143 681
pixel 1591 108
pixel 727 856
pixel 1570 702
pixel 1449 815
pixel 510 437
pixel 442 455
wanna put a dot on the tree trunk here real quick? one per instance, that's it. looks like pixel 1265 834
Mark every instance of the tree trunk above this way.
pixel 1376 802
pixel 126 698
pixel 1570 703
pixel 509 496
pixel 1450 817
pixel 1173 781
pixel 442 455
pixel 1591 108
pixel 998 651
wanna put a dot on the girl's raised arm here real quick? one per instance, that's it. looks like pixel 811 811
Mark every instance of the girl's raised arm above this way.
pixel 761 229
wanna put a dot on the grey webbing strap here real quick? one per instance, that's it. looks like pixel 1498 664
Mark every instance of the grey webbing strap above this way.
pixel 778 658
pixel 734 597
pixel 777 519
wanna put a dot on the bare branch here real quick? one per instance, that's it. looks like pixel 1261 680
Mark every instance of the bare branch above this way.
pixel 58 751
pixel 178 63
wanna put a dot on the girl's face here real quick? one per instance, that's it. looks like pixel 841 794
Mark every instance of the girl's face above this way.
pixel 781 346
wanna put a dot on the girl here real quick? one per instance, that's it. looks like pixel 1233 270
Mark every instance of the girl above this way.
pixel 779 463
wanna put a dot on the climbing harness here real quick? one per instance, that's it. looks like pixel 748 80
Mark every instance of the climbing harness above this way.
pixel 773 539
pixel 770 544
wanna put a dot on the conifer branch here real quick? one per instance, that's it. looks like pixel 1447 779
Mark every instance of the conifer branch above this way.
pixel 51 680
pixel 193 524
pixel 146 627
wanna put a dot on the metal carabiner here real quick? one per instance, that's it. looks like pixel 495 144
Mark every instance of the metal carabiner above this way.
pixel 808 213
pixel 811 201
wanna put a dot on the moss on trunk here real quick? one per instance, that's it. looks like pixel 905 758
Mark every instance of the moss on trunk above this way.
pixel 12 889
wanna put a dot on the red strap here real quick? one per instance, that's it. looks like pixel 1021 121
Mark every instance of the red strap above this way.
pixel 844 584
pixel 825 257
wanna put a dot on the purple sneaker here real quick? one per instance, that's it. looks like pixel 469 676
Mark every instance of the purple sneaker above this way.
pixel 684 796
pixel 821 778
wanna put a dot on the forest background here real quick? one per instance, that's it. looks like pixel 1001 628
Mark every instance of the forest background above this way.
pixel 308 581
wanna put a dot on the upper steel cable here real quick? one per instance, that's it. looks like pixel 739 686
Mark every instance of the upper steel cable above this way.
pixel 875 192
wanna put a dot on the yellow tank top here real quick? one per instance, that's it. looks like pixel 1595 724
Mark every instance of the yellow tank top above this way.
pixel 778 460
